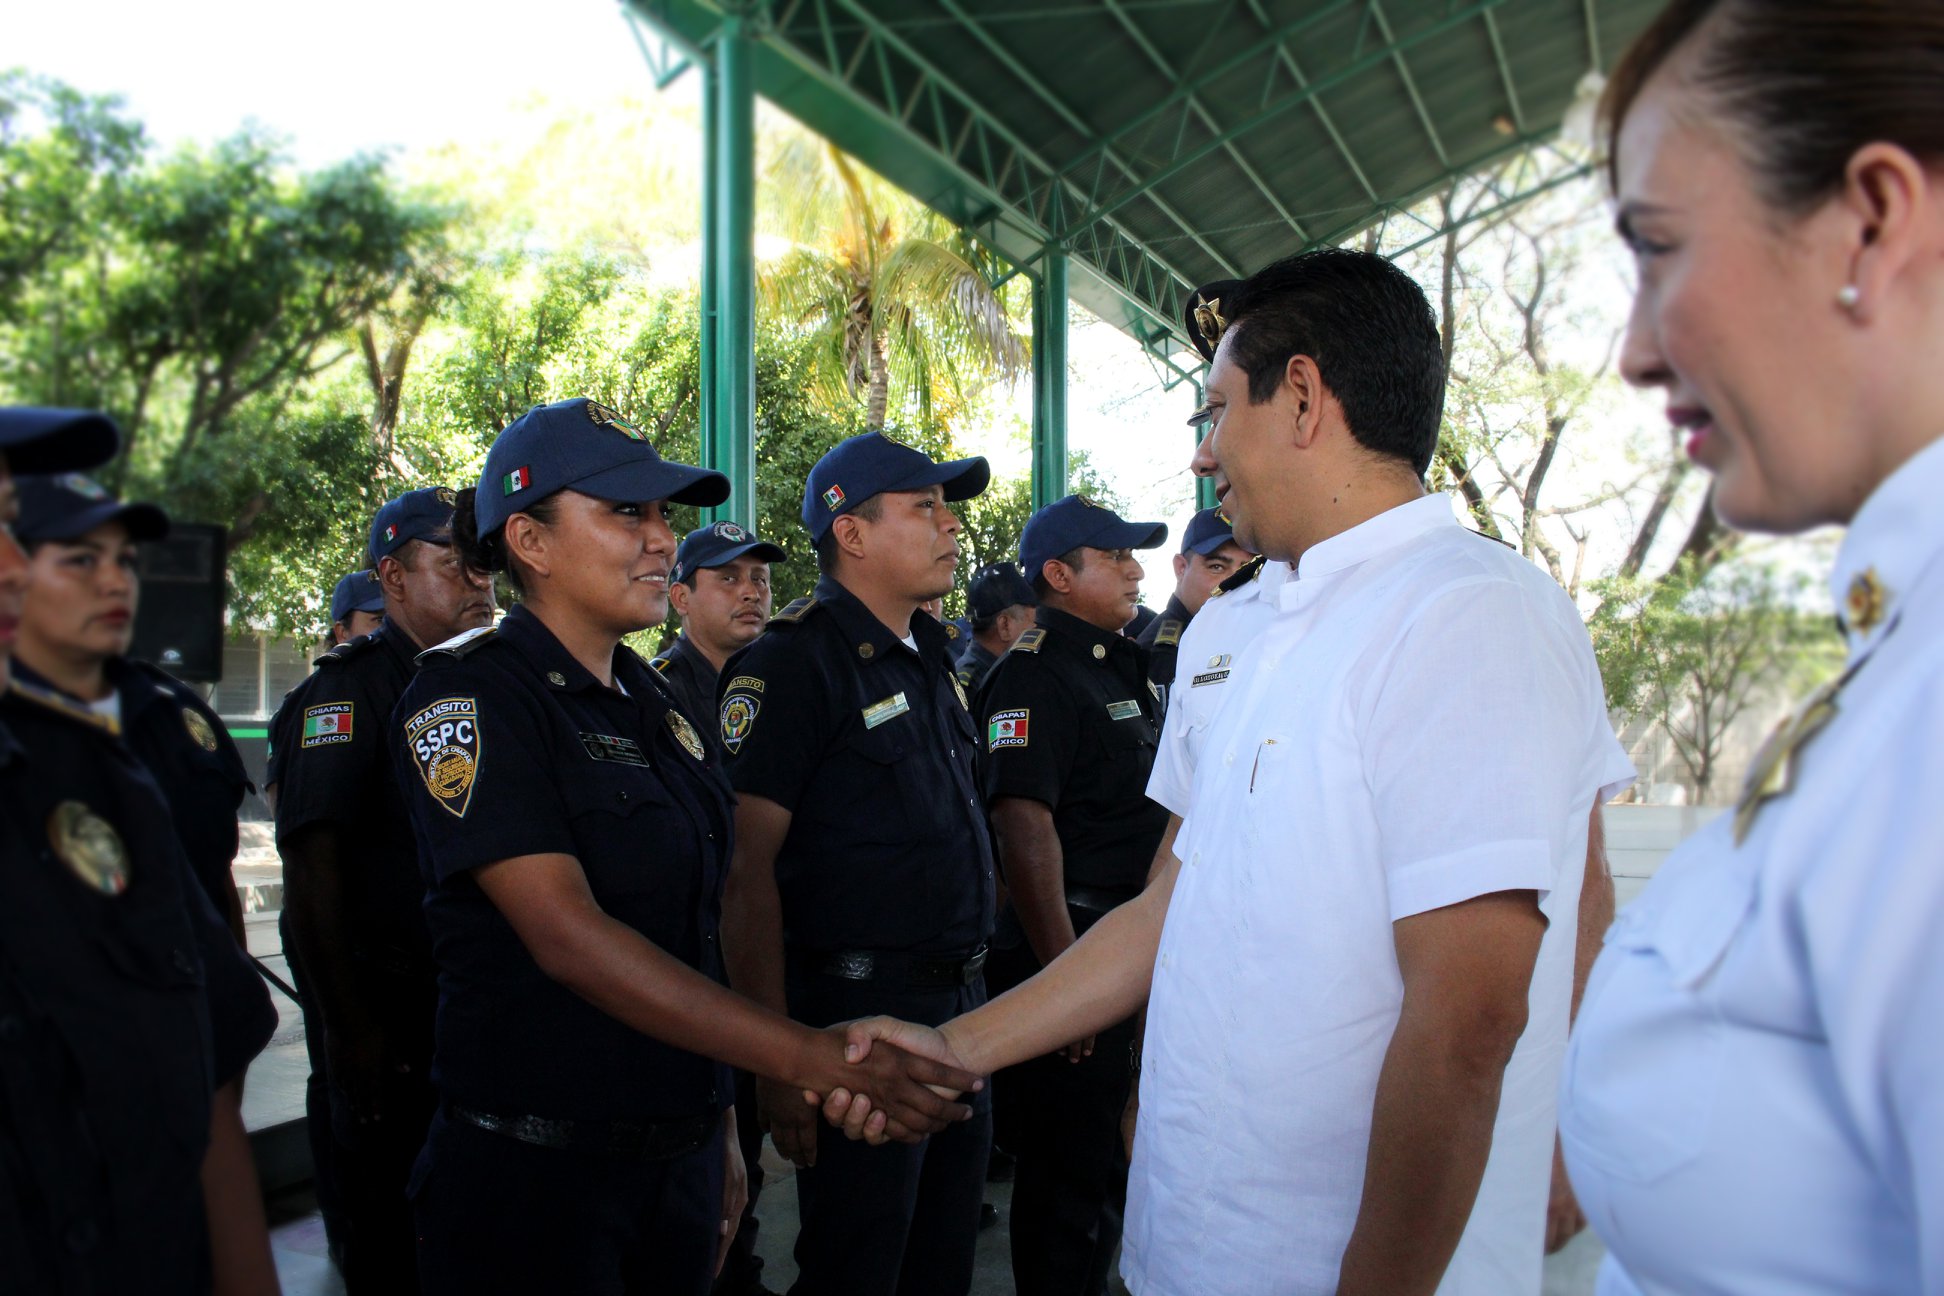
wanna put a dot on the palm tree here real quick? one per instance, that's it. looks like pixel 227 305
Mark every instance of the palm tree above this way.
pixel 885 290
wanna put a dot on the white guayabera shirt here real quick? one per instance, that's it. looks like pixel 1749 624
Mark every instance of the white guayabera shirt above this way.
pixel 1422 723
pixel 1754 1100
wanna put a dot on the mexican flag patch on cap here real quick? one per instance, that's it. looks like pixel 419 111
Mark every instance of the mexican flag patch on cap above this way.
pixel 517 480
pixel 834 497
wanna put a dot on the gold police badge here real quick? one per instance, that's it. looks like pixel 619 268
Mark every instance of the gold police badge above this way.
pixel 685 734
pixel 444 740
pixel 199 729
pixel 89 846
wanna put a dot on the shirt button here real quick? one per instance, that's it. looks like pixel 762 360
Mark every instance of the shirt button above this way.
pixel 180 960
pixel 1229 759
pixel 622 795
pixel 81 1236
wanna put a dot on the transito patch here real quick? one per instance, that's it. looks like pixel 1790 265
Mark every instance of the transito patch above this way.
pixel 445 743
pixel 739 710
pixel 1007 729
pixel 327 725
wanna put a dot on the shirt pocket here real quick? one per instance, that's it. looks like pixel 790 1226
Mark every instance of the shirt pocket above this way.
pixel 164 1022
pixel 1644 1068
pixel 631 837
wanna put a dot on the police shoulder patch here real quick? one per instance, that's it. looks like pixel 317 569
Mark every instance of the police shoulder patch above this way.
pixel 1169 633
pixel 460 645
pixel 1007 728
pixel 1030 641
pixel 796 611
pixel 444 740
pixel 739 707
pixel 328 724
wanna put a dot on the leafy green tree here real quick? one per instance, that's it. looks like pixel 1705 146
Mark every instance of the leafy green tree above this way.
pixel 1693 651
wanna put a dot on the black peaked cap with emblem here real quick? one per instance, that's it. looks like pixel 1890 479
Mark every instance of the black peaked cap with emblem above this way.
pixel 1206 313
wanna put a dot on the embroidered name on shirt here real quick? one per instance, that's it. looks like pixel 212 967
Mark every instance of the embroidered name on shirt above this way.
pixel 327 724
pixel 445 743
pixel 888 709
pixel 1124 710
pixel 612 747
pixel 1208 677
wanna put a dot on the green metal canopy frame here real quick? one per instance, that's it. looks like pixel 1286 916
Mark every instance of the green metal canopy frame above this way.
pixel 1118 152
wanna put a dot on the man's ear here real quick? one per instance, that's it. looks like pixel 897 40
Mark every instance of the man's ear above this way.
pixel 391 576
pixel 1180 565
pixel 848 530
pixel 1058 575
pixel 1303 393
pixel 678 598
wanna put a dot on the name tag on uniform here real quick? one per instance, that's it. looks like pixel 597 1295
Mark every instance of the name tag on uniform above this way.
pixel 1124 710
pixel 1208 677
pixel 612 747
pixel 889 709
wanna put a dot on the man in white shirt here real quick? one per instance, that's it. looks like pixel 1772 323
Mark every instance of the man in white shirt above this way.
pixel 1360 943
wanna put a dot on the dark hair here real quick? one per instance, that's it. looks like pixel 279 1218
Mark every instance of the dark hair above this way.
pixel 1370 331
pixel 1801 84
pixel 487 553
pixel 1075 558
pixel 871 510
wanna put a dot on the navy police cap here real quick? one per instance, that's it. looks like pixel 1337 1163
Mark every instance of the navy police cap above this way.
pixel 860 467
pixel 1075 521
pixel 67 506
pixel 357 591
pixel 1206 532
pixel 424 514
pixel 716 544
pixel 55 440
pixel 585 445
pixel 996 587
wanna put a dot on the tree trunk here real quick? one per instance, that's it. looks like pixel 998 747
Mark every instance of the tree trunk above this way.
pixel 880 390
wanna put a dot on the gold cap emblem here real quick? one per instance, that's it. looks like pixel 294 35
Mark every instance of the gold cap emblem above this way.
pixel 1209 321
pixel 89 846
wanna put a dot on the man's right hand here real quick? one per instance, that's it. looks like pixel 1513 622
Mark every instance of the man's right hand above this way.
pixel 788 1120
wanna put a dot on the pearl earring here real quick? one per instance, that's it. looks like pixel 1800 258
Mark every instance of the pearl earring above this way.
pixel 1849 297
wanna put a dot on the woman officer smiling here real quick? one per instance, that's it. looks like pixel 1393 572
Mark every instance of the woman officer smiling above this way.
pixel 1754 1097
pixel 574 836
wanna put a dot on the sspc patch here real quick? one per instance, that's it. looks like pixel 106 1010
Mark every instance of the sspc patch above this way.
pixel 739 715
pixel 327 724
pixel 1007 729
pixel 445 743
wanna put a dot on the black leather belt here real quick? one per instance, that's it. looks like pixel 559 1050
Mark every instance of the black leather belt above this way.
pixel 646 1140
pixel 880 967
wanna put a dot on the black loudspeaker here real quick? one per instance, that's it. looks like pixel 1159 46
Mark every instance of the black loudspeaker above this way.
pixel 179 624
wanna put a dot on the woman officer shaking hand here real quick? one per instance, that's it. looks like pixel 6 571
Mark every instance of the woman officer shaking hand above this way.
pixel 574 837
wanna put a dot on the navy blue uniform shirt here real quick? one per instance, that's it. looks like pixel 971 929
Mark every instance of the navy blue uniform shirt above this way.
pixel 1070 722
pixel 871 748
pixel 124 1003
pixel 1162 639
pixel 510 747
pixel 192 759
pixel 692 680
pixel 332 765
pixel 974 664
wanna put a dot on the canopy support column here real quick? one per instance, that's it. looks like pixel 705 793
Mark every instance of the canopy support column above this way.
pixel 1050 378
pixel 1204 486
pixel 728 397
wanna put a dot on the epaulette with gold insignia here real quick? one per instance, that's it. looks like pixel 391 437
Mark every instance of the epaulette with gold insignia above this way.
pixel 951 630
pixel 1030 641
pixel 660 664
pixel 1247 572
pixel 1169 633
pixel 63 705
pixel 460 645
pixel 796 611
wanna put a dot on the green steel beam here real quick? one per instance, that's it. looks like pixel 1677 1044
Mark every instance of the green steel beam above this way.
pixel 1323 118
pixel 1453 18
pixel 711 449
pixel 729 441
pixel 1200 109
pixel 1410 83
pixel 1505 74
pixel 1050 379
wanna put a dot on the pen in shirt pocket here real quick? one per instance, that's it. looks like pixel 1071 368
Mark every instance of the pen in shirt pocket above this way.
pixel 1253 769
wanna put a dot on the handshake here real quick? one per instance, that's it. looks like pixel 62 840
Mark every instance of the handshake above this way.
pixel 876 1079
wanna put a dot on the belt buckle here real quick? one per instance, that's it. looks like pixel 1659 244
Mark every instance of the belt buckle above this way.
pixel 973 966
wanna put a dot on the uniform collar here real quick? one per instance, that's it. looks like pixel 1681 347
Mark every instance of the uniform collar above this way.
pixel 398 643
pixel 869 638
pixel 1893 538
pixel 530 636
pixel 1077 638
pixel 1176 612
pixel 1388 530
pixel 11 752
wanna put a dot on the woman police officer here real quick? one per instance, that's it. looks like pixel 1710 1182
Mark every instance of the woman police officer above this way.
pixel 75 630
pixel 1754 1096
pixel 574 834
pixel 127 1011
